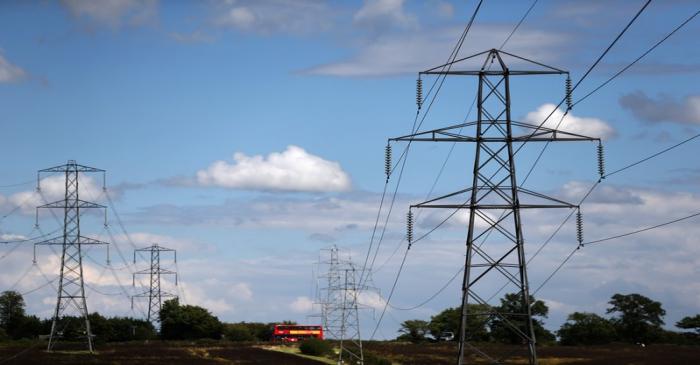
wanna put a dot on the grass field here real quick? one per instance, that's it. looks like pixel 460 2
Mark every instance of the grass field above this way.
pixel 183 353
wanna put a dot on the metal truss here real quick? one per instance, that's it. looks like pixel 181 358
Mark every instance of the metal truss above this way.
pixel 340 307
pixel 154 293
pixel 495 200
pixel 71 289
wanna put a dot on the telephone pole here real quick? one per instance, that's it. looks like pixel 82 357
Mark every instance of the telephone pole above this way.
pixel 494 200
pixel 154 293
pixel 71 289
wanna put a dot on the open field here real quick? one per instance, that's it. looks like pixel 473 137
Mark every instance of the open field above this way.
pixel 183 353
pixel 444 353
pixel 155 353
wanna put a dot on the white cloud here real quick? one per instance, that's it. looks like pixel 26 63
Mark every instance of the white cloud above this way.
pixel 53 189
pixel 239 17
pixel 276 16
pixel 591 127
pixel 9 72
pixel 379 12
pixel 242 291
pixel 291 170
pixel 301 305
pixel 113 12
pixel 371 299
pixel 410 52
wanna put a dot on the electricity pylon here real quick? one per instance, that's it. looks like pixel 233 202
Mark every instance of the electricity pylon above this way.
pixel 71 289
pixel 340 307
pixel 494 189
pixel 350 339
pixel 154 293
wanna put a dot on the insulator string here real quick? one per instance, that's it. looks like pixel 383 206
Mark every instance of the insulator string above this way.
pixel 579 227
pixel 409 226
pixel 569 90
pixel 601 160
pixel 387 161
pixel 419 92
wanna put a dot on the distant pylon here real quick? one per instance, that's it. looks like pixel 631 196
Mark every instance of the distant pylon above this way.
pixel 350 339
pixel 154 293
pixel 71 289
pixel 331 295
pixel 340 307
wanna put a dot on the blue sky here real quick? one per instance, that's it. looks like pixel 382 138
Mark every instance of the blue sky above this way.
pixel 305 93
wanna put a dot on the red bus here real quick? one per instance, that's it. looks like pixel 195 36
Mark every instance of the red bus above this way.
pixel 295 333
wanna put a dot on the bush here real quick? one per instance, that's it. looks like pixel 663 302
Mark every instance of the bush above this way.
pixel 187 322
pixel 372 359
pixel 315 347
pixel 237 332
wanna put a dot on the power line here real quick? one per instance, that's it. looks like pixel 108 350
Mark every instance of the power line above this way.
pixel 449 154
pixel 641 230
pixel 652 156
pixel 430 298
pixel 637 59
pixel 404 155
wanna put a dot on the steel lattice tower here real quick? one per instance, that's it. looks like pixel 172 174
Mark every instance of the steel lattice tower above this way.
pixel 154 293
pixel 71 289
pixel 331 315
pixel 494 201
pixel 340 308
pixel 350 339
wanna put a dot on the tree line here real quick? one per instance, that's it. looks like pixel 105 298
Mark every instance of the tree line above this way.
pixel 177 322
pixel 633 318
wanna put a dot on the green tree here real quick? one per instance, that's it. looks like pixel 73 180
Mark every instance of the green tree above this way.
pixel 586 329
pixel 186 322
pixel 12 313
pixel 690 323
pixel 639 318
pixel 501 329
pixel 414 330
pixel 448 321
pixel 237 332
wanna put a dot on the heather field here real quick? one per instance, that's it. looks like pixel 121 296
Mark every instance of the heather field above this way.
pixel 184 353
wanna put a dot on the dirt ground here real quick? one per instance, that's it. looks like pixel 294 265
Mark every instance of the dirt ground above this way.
pixel 618 354
pixel 222 353
pixel 153 353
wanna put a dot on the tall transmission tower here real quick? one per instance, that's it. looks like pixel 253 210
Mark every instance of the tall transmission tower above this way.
pixel 340 307
pixel 154 293
pixel 71 289
pixel 350 339
pixel 494 200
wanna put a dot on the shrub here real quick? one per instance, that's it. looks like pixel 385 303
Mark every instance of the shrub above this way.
pixel 237 332
pixel 372 359
pixel 315 347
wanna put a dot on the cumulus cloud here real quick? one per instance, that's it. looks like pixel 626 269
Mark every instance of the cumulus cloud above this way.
pixel 294 169
pixel 276 16
pixel 325 215
pixel 301 305
pixel 9 72
pixel 113 12
pixel 587 126
pixel 381 12
pixel 53 189
pixel 409 52
pixel 663 109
